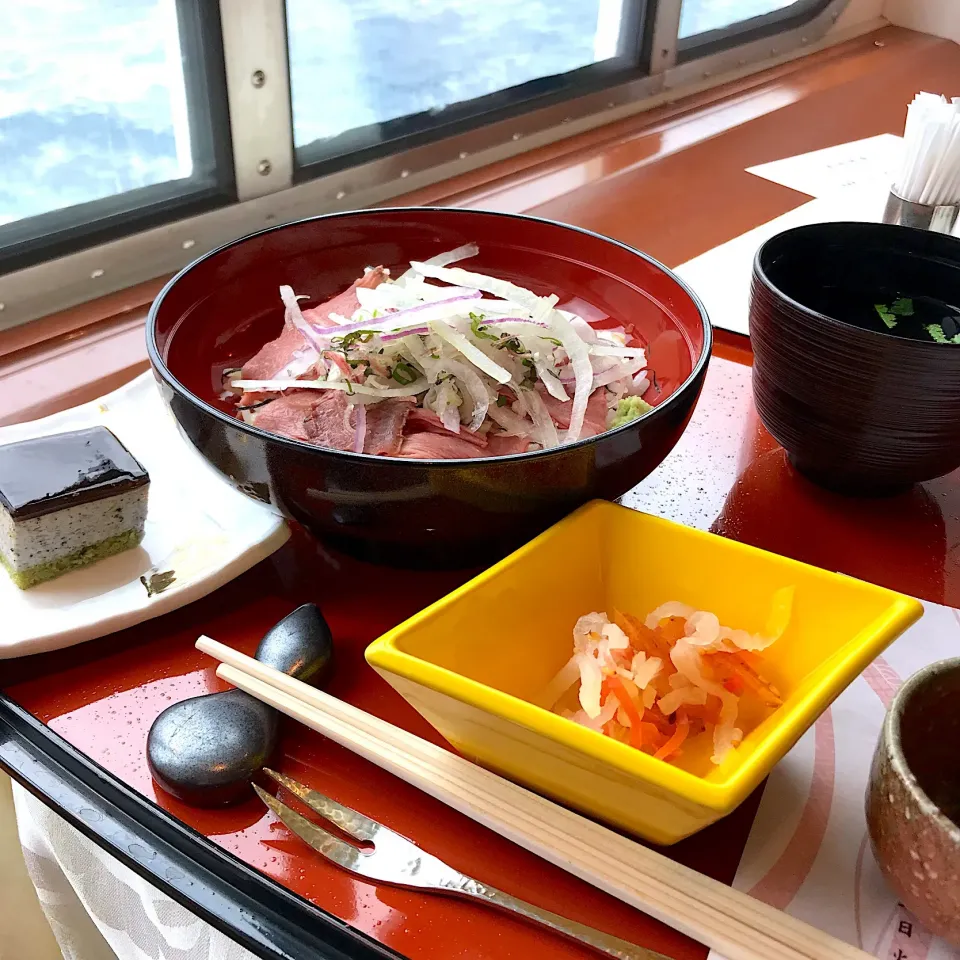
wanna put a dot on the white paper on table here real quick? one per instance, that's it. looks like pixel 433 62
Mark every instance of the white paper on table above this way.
pixel 870 164
pixel 808 852
pixel 721 276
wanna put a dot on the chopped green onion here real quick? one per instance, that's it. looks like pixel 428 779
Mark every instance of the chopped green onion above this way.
pixel 903 307
pixel 478 331
pixel 502 401
pixel 358 336
pixel 512 344
pixel 403 373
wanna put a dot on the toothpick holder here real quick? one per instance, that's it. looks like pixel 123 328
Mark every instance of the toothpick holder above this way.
pixel 940 218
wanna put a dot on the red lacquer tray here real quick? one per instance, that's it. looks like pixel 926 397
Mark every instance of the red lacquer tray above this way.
pixel 726 475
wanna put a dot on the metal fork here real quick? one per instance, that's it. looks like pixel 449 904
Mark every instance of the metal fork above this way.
pixel 398 861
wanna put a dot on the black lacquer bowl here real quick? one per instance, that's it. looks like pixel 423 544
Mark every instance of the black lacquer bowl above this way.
pixel 858 410
pixel 219 311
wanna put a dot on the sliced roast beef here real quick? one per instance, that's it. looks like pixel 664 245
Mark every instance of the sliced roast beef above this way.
pixel 499 445
pixel 426 421
pixel 324 418
pixel 559 410
pixel 385 423
pixel 344 304
pixel 275 357
pixel 434 446
pixel 594 420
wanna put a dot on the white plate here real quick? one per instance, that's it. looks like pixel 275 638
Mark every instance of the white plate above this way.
pixel 197 525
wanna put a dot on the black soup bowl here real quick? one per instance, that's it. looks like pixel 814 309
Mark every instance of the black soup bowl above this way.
pixel 221 309
pixel 858 407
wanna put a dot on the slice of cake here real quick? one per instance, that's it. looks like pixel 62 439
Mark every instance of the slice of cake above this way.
pixel 67 501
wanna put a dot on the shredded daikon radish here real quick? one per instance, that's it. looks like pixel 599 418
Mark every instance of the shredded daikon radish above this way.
pixel 480 352
pixel 662 703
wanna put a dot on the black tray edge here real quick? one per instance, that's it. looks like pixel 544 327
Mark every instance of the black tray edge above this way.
pixel 264 917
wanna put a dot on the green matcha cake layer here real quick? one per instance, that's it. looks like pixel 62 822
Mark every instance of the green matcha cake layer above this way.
pixel 30 576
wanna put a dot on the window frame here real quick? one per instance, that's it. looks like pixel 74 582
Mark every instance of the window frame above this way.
pixel 253 39
pixel 754 28
pixel 60 232
pixel 412 130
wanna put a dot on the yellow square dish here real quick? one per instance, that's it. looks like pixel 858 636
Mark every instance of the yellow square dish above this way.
pixel 474 663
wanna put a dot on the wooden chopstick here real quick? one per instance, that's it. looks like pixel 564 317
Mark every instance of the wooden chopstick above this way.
pixel 731 922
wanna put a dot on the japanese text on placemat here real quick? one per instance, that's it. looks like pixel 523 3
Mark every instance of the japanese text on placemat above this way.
pixel 910 940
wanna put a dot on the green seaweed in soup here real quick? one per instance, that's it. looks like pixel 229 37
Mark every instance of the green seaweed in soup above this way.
pixel 914 318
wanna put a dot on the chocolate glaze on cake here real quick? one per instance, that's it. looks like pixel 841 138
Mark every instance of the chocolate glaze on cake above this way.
pixel 52 473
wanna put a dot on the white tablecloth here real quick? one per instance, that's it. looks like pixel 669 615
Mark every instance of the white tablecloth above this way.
pixel 24 931
pixel 98 908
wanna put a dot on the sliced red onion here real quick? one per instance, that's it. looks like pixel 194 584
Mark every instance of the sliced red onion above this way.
pixel 293 312
pixel 412 316
pixel 360 432
pixel 399 335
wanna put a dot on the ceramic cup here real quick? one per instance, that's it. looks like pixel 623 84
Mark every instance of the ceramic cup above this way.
pixel 913 800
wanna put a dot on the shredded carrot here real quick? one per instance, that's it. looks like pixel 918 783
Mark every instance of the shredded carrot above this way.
pixel 672 746
pixel 708 712
pixel 630 709
pixel 727 677
pixel 641 636
pixel 735 684
pixel 752 659
pixel 653 739
pixel 729 665
pixel 672 628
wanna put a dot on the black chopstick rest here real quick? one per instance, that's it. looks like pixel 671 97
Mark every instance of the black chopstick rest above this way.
pixel 205 750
